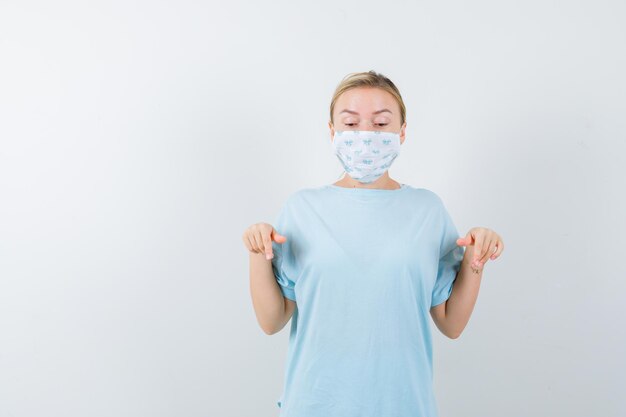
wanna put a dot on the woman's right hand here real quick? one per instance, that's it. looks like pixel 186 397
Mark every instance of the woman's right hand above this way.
pixel 258 239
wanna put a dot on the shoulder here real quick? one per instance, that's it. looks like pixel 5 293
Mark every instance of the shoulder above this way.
pixel 294 200
pixel 425 196
pixel 303 194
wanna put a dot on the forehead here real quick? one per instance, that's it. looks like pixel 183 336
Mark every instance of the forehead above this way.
pixel 366 100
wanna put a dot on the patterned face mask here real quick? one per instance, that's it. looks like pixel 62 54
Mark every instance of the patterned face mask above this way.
pixel 366 154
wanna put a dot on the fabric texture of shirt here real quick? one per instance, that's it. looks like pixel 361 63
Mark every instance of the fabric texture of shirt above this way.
pixel 364 267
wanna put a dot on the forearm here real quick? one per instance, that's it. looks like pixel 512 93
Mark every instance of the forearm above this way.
pixel 267 299
pixel 464 294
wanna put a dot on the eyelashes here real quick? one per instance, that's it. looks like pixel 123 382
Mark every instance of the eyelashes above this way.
pixel 377 124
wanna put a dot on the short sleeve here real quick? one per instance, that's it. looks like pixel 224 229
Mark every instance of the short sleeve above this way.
pixel 283 260
pixel 450 258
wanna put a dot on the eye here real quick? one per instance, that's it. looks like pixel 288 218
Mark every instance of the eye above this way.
pixel 382 124
pixel 349 124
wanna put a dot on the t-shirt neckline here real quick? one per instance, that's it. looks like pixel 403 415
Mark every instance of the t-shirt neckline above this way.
pixel 354 190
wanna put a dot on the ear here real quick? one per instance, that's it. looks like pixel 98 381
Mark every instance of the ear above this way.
pixel 332 130
pixel 402 133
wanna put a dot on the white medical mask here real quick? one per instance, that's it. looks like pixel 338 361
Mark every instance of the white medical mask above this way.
pixel 366 154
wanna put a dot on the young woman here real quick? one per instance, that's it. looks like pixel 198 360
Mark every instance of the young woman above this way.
pixel 357 266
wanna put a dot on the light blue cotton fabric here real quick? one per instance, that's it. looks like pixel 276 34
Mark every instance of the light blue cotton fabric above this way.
pixel 364 267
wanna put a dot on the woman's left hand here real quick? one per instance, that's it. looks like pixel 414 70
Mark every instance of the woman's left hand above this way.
pixel 488 245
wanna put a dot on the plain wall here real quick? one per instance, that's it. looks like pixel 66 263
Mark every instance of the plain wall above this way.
pixel 139 139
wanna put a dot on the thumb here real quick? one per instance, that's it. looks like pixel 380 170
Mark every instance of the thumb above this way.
pixel 278 237
pixel 464 241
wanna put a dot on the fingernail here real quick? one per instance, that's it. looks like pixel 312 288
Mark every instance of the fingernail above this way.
pixel 268 256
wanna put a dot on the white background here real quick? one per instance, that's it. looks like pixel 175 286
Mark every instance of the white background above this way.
pixel 139 139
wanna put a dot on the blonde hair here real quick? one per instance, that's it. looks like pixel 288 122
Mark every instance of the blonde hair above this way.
pixel 368 79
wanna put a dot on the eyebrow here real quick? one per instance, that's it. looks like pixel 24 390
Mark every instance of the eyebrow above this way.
pixel 376 112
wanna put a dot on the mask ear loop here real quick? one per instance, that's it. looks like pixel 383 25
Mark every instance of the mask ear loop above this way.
pixel 343 172
pixel 332 142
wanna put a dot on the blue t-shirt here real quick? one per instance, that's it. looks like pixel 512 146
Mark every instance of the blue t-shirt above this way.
pixel 364 267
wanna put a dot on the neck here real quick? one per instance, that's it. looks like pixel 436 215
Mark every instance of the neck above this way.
pixel 383 183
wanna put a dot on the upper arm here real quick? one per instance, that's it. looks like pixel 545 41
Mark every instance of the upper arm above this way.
pixel 438 313
pixel 290 306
